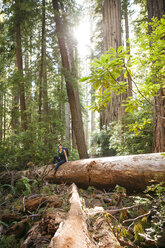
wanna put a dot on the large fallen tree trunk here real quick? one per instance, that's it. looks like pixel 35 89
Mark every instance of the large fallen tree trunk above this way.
pixel 133 172
pixel 73 232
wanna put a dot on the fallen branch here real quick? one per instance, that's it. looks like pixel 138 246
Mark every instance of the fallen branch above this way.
pixel 139 217
pixel 35 203
pixel 122 209
pixel 30 216
pixel 23 202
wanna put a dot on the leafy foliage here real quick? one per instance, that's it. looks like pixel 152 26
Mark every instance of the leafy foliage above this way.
pixel 100 143
pixel 109 75
pixel 131 135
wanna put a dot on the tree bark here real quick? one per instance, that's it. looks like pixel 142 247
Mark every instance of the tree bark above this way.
pixel 125 6
pixel 44 75
pixel 134 172
pixel 71 85
pixel 73 138
pixel 20 67
pixel 112 38
pixel 50 201
pixel 156 8
pixel 159 122
pixel 43 92
pixel 28 62
pixel 87 120
pixel 1 115
pixel 15 108
pixel 67 123
pixel 4 116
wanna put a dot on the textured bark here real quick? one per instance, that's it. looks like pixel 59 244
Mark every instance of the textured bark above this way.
pixel 44 75
pixel 43 93
pixel 125 7
pixel 73 232
pixel 159 122
pixel 50 201
pixel 20 67
pixel 73 138
pixel 17 229
pixel 28 62
pixel 67 123
pixel 4 116
pixel 15 108
pixel 134 172
pixel 1 115
pixel 71 85
pixel 156 8
pixel 87 119
pixel 112 38
pixel 10 217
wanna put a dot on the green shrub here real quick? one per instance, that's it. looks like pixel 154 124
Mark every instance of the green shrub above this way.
pixel 8 242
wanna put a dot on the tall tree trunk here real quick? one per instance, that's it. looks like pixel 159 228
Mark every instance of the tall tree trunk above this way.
pixel 156 8
pixel 1 115
pixel 112 38
pixel 71 85
pixel 15 112
pixel 44 76
pixel 15 106
pixel 73 138
pixel 20 68
pixel 67 123
pixel 159 122
pixel 43 92
pixel 28 62
pixel 4 116
pixel 125 6
pixel 87 119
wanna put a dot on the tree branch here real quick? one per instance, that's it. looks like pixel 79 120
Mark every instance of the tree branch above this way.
pixel 139 217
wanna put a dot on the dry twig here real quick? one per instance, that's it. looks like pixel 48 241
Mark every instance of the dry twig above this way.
pixel 139 217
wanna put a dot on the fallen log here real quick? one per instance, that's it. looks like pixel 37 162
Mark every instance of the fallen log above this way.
pixel 73 232
pixel 7 218
pixel 34 203
pixel 134 172
pixel 17 229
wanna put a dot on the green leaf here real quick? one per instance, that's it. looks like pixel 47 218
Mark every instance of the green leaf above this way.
pixel 84 79
pixel 121 48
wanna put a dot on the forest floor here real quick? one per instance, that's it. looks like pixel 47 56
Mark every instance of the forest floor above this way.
pixel 32 211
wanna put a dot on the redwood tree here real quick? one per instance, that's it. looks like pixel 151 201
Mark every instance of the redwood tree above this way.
pixel 19 64
pixel 71 83
pixel 43 94
pixel 112 38
pixel 125 4
pixel 156 8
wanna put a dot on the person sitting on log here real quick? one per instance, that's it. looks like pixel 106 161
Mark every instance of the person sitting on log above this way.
pixel 61 158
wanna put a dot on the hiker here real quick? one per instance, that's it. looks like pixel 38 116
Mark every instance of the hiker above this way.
pixel 61 158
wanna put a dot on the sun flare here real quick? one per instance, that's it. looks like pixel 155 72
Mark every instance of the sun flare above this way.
pixel 82 35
